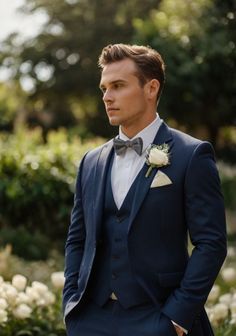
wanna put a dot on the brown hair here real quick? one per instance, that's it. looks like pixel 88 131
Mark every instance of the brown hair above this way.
pixel 149 62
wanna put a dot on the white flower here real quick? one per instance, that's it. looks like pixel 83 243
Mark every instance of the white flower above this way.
pixel 40 294
pixel 49 298
pixel 22 311
pixel 233 319
pixel 226 299
pixel 229 275
pixel 214 293
pixel 46 299
pixel 157 156
pixel 32 294
pixel 219 313
pixel 3 303
pixel 1 280
pixel 231 252
pixel 23 298
pixel 233 308
pixel 58 279
pixel 2 293
pixel 9 292
pixel 19 282
pixel 3 316
pixel 234 297
pixel 39 287
pixel 41 302
pixel 208 310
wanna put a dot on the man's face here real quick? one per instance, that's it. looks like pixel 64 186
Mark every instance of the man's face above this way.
pixel 125 100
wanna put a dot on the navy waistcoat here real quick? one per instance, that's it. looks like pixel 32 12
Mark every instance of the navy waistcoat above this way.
pixel 111 270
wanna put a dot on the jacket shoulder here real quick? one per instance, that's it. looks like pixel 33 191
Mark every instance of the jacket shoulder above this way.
pixel 91 157
pixel 189 145
pixel 185 139
pixel 95 152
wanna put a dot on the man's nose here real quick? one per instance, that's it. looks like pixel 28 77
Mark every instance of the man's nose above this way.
pixel 107 96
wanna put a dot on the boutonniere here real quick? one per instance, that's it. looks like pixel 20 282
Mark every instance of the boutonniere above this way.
pixel 157 156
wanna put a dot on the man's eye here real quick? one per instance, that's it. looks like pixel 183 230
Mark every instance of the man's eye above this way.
pixel 118 85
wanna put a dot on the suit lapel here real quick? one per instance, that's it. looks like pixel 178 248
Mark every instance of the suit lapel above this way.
pixel 163 136
pixel 99 184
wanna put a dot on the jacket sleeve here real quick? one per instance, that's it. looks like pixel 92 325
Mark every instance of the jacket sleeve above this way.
pixel 205 218
pixel 75 242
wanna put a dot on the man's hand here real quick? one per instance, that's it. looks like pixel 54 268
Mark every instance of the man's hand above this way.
pixel 178 330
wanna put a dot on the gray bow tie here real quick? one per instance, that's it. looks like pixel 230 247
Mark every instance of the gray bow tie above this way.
pixel 120 146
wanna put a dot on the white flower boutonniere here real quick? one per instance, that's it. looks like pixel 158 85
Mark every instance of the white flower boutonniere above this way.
pixel 157 156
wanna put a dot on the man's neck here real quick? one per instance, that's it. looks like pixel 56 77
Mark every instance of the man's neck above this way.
pixel 132 130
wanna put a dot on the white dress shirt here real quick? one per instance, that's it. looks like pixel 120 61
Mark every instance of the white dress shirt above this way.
pixel 126 167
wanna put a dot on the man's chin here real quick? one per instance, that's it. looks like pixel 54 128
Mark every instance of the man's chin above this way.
pixel 114 122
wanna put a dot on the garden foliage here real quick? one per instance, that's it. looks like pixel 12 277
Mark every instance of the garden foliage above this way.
pixel 31 309
pixel 37 184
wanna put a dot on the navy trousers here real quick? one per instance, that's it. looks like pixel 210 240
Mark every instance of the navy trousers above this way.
pixel 113 320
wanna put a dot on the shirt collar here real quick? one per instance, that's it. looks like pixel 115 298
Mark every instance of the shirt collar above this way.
pixel 147 134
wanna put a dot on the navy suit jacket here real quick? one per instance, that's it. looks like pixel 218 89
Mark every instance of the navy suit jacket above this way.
pixel 161 220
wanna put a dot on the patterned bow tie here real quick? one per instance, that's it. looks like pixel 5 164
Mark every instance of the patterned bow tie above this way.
pixel 120 146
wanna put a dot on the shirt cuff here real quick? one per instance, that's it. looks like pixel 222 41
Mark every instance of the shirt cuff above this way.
pixel 177 325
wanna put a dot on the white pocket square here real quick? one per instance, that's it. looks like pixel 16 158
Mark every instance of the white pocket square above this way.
pixel 160 180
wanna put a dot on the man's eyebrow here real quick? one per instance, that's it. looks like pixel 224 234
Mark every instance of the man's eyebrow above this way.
pixel 102 85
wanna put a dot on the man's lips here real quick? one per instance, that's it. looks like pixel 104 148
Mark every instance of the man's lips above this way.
pixel 111 109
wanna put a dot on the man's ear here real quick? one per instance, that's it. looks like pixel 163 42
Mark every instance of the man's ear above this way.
pixel 152 88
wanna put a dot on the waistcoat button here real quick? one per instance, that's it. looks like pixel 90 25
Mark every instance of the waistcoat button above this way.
pixel 115 256
pixel 119 219
pixel 114 276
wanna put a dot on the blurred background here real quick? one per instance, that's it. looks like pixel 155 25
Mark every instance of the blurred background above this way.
pixel 51 110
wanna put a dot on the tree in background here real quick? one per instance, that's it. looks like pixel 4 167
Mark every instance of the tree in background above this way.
pixel 59 66
pixel 8 106
pixel 197 40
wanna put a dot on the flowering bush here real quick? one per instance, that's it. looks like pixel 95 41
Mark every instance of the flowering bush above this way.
pixel 221 303
pixel 39 176
pixel 222 312
pixel 31 309
pixel 11 264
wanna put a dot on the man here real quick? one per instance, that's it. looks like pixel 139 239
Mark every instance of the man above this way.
pixel 137 198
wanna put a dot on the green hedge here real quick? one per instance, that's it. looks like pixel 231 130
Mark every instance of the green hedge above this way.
pixel 29 246
pixel 37 184
pixel 228 180
pixel 37 180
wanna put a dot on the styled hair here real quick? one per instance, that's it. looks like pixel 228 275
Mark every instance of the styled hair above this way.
pixel 148 61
